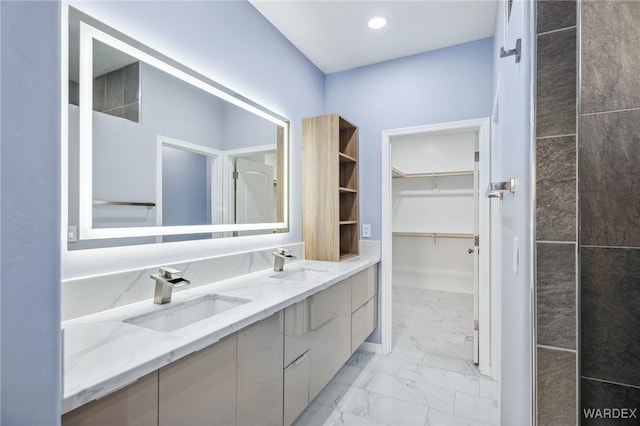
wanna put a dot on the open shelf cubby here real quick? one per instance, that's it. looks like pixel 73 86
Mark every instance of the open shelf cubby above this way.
pixel 348 240
pixel 330 178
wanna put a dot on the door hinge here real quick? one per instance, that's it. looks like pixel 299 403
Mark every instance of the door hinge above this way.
pixel 235 175
pixel 476 240
pixel 476 325
pixel 476 156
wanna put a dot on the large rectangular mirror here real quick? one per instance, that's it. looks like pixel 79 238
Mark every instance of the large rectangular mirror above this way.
pixel 158 152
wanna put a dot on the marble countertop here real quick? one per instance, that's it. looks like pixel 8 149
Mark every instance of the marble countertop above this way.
pixel 102 353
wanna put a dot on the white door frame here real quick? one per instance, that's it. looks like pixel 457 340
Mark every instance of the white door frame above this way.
pixel 482 126
pixel 213 157
pixel 227 169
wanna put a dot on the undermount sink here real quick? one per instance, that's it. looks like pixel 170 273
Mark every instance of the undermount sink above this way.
pixel 183 314
pixel 301 274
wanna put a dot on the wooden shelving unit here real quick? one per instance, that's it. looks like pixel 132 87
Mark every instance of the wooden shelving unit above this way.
pixel 330 204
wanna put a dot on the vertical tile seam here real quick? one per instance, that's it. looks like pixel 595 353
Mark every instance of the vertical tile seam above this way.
pixel 534 217
pixel 578 251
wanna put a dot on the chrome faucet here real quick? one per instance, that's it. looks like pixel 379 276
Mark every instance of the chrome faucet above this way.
pixel 280 256
pixel 166 281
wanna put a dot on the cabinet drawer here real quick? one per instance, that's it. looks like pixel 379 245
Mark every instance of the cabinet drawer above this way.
pixel 330 335
pixel 363 287
pixel 296 331
pixel 363 322
pixel 296 388
pixel 260 383
pixel 135 405
pixel 200 388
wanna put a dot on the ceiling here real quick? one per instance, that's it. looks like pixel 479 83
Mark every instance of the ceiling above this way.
pixel 334 34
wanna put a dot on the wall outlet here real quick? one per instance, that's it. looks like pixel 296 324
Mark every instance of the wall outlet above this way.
pixel 366 230
pixel 72 234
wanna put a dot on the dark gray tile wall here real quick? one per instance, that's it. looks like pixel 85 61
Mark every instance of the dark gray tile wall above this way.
pixel 609 178
pixel 556 212
pixel 610 309
pixel 597 395
pixel 556 85
pixel 118 92
pixel 74 92
pixel 556 377
pixel 554 14
pixel 556 189
pixel 610 55
pixel 556 295
pixel 609 141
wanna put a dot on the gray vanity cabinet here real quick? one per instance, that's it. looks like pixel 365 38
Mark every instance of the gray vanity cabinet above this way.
pixel 329 335
pixel 200 389
pixel 296 360
pixel 364 305
pixel 260 379
pixel 134 405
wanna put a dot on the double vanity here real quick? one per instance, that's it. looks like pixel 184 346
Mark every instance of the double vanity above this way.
pixel 255 349
pixel 198 164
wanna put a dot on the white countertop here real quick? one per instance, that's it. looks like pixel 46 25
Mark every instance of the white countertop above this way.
pixel 102 353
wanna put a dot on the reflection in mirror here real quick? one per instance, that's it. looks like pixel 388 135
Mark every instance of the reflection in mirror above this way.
pixel 163 154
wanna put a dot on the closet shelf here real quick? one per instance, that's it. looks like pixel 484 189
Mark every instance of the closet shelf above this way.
pixel 346 256
pixel 343 189
pixel 399 174
pixel 433 234
pixel 344 158
pixel 348 222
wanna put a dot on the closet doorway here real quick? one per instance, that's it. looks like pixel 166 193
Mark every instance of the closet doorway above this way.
pixel 435 241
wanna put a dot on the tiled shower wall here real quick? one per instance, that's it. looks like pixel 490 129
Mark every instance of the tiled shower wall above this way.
pixel 605 141
pixel 609 168
pixel 556 213
pixel 115 93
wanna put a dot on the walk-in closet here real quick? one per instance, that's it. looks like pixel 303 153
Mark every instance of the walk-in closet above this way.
pixel 434 209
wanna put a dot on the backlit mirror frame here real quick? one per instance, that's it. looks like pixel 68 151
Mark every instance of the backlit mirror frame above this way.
pixel 88 33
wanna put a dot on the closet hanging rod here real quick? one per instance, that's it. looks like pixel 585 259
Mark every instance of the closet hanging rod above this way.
pixel 399 174
pixel 431 235
pixel 122 203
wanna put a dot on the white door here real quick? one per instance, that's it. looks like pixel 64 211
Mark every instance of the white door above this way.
pixel 255 194
pixel 515 85
pixel 476 261
pixel 495 243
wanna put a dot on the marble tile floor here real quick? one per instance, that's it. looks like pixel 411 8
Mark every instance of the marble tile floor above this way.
pixel 427 379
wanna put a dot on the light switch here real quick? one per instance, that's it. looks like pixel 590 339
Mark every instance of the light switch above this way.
pixel 366 230
pixel 72 234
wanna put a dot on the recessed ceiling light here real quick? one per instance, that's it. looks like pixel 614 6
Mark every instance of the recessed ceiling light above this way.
pixel 377 22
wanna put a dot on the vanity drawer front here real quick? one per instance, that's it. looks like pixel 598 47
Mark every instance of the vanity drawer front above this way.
pixel 134 405
pixel 363 287
pixel 363 322
pixel 200 388
pixel 260 381
pixel 296 388
pixel 330 335
pixel 296 331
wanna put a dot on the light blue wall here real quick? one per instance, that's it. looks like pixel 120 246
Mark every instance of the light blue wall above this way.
pixel 30 213
pixel 445 85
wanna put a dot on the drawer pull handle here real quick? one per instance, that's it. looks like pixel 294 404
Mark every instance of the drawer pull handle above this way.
pixel 299 360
